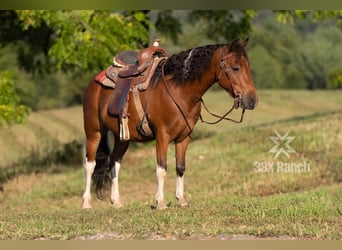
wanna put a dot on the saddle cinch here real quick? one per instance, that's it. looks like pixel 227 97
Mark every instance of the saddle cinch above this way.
pixel 131 71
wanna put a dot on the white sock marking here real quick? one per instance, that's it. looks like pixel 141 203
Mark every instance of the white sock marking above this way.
pixel 180 187
pixel 115 195
pixel 161 173
pixel 89 167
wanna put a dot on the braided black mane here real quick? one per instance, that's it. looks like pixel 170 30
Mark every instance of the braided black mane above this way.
pixel 187 65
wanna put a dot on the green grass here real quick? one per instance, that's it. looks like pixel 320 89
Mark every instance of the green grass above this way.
pixel 312 214
pixel 227 195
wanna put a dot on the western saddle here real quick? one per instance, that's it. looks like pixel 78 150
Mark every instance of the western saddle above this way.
pixel 131 71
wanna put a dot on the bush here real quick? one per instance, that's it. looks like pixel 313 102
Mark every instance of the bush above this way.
pixel 266 70
pixel 11 111
pixel 45 158
pixel 335 79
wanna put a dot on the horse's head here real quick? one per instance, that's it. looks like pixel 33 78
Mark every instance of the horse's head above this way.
pixel 234 74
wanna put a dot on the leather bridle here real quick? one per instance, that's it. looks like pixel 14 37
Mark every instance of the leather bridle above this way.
pixel 237 96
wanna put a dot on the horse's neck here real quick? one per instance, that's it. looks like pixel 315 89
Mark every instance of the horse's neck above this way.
pixel 204 83
pixel 192 91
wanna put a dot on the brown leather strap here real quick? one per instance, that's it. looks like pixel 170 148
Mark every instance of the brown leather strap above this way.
pixel 156 61
pixel 124 129
pixel 224 117
pixel 142 114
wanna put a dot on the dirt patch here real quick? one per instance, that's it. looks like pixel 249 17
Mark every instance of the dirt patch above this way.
pixel 115 236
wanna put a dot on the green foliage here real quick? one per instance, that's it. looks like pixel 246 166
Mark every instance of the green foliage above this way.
pixel 168 25
pixel 276 58
pixel 31 45
pixel 297 56
pixel 290 16
pixel 321 52
pixel 324 15
pixel 267 70
pixel 282 53
pixel 86 40
pixel 225 25
pixel 11 111
pixel 78 43
pixel 39 92
pixel 335 78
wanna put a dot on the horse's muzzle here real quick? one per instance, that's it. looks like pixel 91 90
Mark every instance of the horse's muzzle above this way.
pixel 248 101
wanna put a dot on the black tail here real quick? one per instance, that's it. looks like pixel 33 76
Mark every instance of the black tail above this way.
pixel 101 176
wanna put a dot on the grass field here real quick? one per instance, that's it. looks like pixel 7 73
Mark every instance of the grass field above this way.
pixel 234 185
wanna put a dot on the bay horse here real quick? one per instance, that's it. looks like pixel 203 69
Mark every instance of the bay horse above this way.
pixel 172 103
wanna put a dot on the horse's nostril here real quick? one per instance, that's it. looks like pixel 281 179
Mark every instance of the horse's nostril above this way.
pixel 253 101
pixel 250 101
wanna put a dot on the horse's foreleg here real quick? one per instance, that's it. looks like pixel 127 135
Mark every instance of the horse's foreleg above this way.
pixel 161 148
pixel 180 169
pixel 120 149
pixel 115 194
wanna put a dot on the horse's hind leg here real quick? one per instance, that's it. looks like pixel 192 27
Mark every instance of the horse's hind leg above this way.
pixel 120 149
pixel 161 148
pixel 89 166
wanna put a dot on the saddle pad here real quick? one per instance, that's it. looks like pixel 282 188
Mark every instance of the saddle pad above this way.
pixel 104 80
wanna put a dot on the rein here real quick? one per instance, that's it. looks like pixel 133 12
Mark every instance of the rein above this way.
pixel 174 101
pixel 223 117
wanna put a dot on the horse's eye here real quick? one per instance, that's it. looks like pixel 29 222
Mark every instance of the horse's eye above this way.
pixel 235 68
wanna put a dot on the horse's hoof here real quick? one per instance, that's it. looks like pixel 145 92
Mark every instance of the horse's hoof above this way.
pixel 86 206
pixel 184 204
pixel 161 206
pixel 117 204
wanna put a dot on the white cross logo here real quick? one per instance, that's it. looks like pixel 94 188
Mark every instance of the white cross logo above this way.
pixel 282 144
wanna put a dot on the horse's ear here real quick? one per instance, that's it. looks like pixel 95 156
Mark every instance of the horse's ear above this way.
pixel 244 43
pixel 234 44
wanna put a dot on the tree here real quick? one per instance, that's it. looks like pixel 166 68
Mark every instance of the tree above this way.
pixel 10 110
pixel 86 40
pixel 275 54
pixel 335 78
pixel 168 25
pixel 285 16
pixel 321 57
pixel 225 25
pixel 78 43
pixel 266 69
